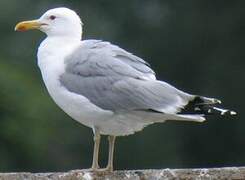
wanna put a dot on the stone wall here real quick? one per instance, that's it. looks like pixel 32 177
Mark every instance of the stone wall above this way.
pixel 235 173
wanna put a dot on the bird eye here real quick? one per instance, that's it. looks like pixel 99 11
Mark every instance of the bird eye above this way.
pixel 52 17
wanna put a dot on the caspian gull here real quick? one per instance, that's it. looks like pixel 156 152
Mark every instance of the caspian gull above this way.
pixel 105 87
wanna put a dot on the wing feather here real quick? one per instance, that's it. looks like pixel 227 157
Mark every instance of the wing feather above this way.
pixel 116 80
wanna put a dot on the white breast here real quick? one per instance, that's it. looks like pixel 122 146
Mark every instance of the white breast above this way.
pixel 51 57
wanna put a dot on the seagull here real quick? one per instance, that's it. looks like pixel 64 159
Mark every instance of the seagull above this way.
pixel 106 88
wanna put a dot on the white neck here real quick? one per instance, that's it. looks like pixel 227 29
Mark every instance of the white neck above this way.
pixel 55 48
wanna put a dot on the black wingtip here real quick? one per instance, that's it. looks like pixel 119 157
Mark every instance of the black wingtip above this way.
pixel 205 106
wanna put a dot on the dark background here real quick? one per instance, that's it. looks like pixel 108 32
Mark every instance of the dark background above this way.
pixel 196 45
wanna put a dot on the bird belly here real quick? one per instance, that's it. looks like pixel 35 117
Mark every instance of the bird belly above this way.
pixel 82 110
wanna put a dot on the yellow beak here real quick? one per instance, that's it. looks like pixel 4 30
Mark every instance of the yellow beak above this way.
pixel 28 25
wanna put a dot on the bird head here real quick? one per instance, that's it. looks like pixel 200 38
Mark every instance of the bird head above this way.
pixel 55 22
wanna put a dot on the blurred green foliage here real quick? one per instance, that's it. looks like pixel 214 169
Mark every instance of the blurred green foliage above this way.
pixel 196 45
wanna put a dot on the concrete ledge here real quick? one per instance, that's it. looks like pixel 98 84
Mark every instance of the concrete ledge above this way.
pixel 212 173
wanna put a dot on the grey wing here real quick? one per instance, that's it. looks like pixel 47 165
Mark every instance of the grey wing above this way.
pixel 116 80
pixel 96 57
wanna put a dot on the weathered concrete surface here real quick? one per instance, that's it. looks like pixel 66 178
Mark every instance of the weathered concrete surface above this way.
pixel 235 173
